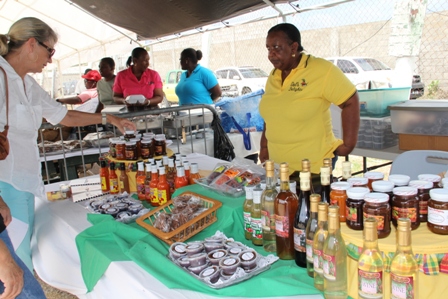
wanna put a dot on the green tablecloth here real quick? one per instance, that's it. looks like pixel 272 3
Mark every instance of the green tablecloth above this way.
pixel 108 240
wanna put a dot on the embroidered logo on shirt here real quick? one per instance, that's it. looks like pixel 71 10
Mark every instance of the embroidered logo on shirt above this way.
pixel 298 86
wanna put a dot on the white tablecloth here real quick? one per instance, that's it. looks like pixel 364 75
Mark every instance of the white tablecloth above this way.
pixel 56 258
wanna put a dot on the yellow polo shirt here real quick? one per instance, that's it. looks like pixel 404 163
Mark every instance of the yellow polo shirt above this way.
pixel 297 114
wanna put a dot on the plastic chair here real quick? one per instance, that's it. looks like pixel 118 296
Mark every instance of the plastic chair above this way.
pixel 413 163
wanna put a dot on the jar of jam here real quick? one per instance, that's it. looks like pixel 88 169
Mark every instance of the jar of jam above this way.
pixel 146 149
pixel 128 135
pixel 138 144
pixel 131 151
pixel 373 176
pixel 438 211
pixel 423 188
pixel 405 205
pixel 112 143
pixel 159 146
pixel 385 187
pixel 148 135
pixel 434 178
pixel 376 205
pixel 358 182
pixel 338 196
pixel 399 180
pixel 354 205
pixel 120 150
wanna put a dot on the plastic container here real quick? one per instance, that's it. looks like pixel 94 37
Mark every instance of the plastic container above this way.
pixel 376 133
pixel 375 102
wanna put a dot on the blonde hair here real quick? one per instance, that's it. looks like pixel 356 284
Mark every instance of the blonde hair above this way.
pixel 22 30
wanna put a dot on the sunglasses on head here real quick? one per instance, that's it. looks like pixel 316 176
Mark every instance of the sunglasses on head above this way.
pixel 50 50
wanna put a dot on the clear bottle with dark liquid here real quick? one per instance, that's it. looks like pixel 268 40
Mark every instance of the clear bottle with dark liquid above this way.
pixel 285 207
pixel 325 184
pixel 301 219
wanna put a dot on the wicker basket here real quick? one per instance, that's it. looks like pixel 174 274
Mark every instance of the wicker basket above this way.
pixel 186 230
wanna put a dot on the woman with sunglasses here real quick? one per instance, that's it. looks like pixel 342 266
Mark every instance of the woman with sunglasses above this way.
pixel 27 48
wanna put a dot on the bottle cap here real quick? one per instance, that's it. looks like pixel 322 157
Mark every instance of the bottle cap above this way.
pixel 194 168
pixel 376 197
pixel 165 160
pixel 148 167
pixel 439 194
pixel 170 163
pixel 430 177
pixel 356 182
pixel 269 165
pixel 180 171
pixel 186 165
pixel 322 211
pixel 161 170
pixel 153 168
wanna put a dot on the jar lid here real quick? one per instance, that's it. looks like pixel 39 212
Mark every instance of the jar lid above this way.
pixel 429 177
pixel 146 141
pixel 439 194
pixel 405 191
pixel 445 182
pixel 357 193
pixel 376 197
pixel 129 132
pixel 131 143
pixel 399 179
pixel 134 139
pixel 120 142
pixel 148 134
pixel 420 184
pixel 374 175
pixel 340 186
pixel 383 186
pixel 358 181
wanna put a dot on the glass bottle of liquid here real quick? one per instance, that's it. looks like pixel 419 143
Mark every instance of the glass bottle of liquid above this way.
pixel 147 183
pixel 113 179
pixel 247 208
pixel 170 175
pixel 180 180
pixel 140 180
pixel 267 208
pixel 104 176
pixel 325 184
pixel 370 263
pixel 329 163
pixel 318 245
pixel 335 259
pixel 255 218
pixel 310 231
pixel 163 189
pixel 404 267
pixel 346 170
pixel 285 207
pixel 194 173
pixel 123 179
pixel 301 219
pixel 186 166
pixel 153 186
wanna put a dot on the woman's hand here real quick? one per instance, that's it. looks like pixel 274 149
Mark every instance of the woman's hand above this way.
pixel 343 150
pixel 122 124
pixel 5 212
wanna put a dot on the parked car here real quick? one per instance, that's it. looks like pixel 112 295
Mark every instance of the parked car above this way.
pixel 169 85
pixel 366 73
pixel 236 81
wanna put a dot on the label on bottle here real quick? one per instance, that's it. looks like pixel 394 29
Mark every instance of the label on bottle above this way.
pixel 145 152
pixel 329 266
pixel 318 261
pixel 346 173
pixel 148 191
pixel 410 213
pixel 104 184
pixel 379 220
pixel 402 286
pixel 423 205
pixel 257 232
pixel 282 226
pixel 113 186
pixel 265 221
pixel 247 227
pixel 309 250
pixel 438 217
pixel 162 196
pixel 370 284
pixel 121 186
pixel 154 196
pixel 140 190
pixel 299 240
pixel 325 180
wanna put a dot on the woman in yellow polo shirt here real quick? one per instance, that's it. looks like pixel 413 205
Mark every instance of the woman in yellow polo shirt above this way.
pixel 296 104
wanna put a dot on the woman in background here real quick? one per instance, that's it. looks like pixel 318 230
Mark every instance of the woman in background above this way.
pixel 198 85
pixel 27 48
pixel 106 84
pixel 138 79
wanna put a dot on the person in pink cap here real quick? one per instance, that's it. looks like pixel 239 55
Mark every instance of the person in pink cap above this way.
pixel 90 80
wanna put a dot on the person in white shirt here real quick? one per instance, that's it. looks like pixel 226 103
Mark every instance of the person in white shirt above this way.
pixel 27 48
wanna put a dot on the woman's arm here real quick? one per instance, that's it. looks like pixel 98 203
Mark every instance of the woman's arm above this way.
pixel 350 125
pixel 215 92
pixel 76 118
pixel 264 153
pixel 156 98
pixel 119 98
pixel 72 100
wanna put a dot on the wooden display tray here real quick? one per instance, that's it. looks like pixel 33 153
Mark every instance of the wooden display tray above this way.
pixel 186 230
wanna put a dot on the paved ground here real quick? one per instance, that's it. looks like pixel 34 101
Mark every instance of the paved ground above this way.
pixel 53 293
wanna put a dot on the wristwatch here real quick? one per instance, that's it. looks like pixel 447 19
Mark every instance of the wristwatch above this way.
pixel 104 118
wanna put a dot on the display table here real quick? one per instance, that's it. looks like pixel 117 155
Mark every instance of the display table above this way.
pixel 430 249
pixel 57 261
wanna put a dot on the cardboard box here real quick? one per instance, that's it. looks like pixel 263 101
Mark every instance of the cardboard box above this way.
pixel 422 142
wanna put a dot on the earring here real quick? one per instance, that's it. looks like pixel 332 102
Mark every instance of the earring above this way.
pixel 293 55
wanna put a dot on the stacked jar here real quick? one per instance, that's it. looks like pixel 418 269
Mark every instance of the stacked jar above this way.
pixel 376 205
pixel 112 144
pixel 386 187
pixel 438 211
pixel 405 205
pixel 358 182
pixel 399 180
pixel 354 207
pixel 434 178
pixel 373 176
pixel 338 196
pixel 160 145
pixel 423 188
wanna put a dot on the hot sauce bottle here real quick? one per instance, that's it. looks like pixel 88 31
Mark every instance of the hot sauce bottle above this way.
pixel 181 179
pixel 194 173
pixel 140 179
pixel 113 179
pixel 186 166
pixel 104 176
pixel 147 183
pixel 123 180
pixel 153 186
pixel 163 189
pixel 170 175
